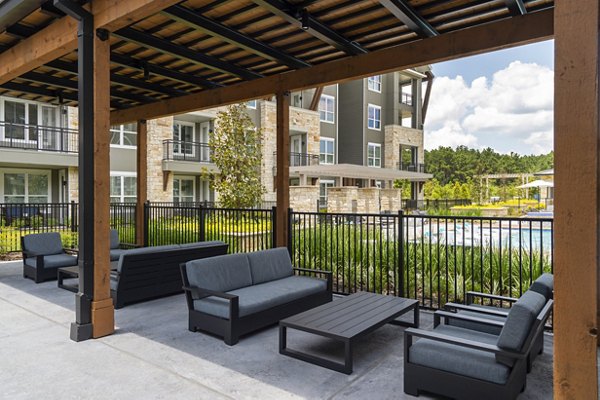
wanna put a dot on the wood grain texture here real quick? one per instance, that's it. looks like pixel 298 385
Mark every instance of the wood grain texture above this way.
pixel 142 179
pixel 283 168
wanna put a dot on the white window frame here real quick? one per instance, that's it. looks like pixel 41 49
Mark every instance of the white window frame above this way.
pixel 326 154
pixel 376 160
pixel 180 151
pixel 374 83
pixel 327 183
pixel 252 104
pixel 376 122
pixel 327 98
pixel 26 172
pixel 123 175
pixel 121 131
pixel 27 117
pixel 184 178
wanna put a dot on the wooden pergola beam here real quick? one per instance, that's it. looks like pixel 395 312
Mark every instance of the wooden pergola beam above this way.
pixel 283 169
pixel 60 38
pixel 525 29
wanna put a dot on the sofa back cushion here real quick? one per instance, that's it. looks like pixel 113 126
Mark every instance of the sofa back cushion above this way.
pixel 270 265
pixel 519 323
pixel 43 243
pixel 114 239
pixel 220 273
pixel 544 285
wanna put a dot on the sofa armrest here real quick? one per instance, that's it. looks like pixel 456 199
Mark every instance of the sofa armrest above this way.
pixel 198 293
pixel 472 295
pixel 28 254
pixel 39 261
pixel 409 333
pixel 438 315
pixel 328 275
pixel 500 312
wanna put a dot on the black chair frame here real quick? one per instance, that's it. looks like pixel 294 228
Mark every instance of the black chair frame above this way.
pixel 40 273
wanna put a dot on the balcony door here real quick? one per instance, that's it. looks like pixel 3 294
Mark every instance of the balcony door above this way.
pixel 50 138
pixel 297 156
pixel 204 138
pixel 183 138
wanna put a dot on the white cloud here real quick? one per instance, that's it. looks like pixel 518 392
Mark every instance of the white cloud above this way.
pixel 511 112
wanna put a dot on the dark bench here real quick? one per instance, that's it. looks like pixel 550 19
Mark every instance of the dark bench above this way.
pixel 150 272
pixel 236 294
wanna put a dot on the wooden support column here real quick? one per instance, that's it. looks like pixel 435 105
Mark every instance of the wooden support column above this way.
pixel 103 321
pixel 283 168
pixel 577 202
pixel 142 179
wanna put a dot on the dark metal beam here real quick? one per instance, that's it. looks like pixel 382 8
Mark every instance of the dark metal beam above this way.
pixel 409 17
pixel 12 11
pixel 322 32
pixel 516 7
pixel 20 31
pixel 200 22
pixel 186 53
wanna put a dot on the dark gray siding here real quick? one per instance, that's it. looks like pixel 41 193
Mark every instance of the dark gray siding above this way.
pixel 351 122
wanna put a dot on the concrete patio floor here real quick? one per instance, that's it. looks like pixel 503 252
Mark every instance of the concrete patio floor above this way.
pixel 153 356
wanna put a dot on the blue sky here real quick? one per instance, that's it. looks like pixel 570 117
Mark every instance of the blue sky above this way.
pixel 501 100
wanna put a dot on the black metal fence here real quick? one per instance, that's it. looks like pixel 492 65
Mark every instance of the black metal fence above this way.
pixel 186 151
pixel 439 204
pixel 432 259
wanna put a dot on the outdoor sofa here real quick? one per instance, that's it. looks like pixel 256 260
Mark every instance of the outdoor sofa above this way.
pixel 149 272
pixel 467 364
pixel 232 295
pixel 43 254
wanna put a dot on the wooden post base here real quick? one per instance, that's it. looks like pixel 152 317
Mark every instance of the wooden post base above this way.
pixel 103 318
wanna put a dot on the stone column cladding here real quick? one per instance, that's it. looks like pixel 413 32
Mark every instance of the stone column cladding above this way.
pixel 390 199
pixel 342 199
pixel 73 182
pixel 395 135
pixel 304 198
pixel 158 130
pixel 350 199
pixel 301 120
pixel 368 200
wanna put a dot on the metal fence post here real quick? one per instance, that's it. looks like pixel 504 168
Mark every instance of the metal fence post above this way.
pixel 146 222
pixel 289 241
pixel 202 224
pixel 73 216
pixel 401 253
pixel 273 226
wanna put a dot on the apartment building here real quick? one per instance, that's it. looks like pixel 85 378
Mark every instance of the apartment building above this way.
pixel 361 134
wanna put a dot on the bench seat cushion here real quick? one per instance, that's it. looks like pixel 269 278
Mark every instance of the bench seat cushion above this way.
pixel 270 265
pixel 460 360
pixel 253 299
pixel 54 261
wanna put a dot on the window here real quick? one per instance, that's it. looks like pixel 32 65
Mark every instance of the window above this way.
pixel 123 188
pixel 374 155
pixel 326 108
pixel 374 117
pixel 123 135
pixel 374 83
pixel 324 185
pixel 183 189
pixel 327 152
pixel 18 114
pixel 251 104
pixel 26 187
pixel 183 137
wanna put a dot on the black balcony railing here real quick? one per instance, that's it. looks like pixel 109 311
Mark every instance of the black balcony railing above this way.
pixel 179 150
pixel 411 167
pixel 301 159
pixel 38 137
pixel 406 98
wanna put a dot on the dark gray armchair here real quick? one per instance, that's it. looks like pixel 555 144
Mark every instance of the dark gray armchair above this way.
pixel 468 364
pixel 43 255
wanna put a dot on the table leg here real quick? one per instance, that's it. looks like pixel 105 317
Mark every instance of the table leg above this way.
pixel 348 357
pixel 282 338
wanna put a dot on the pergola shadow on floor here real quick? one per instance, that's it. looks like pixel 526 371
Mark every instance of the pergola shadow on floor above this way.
pixel 153 355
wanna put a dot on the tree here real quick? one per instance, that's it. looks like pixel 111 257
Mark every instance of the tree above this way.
pixel 236 151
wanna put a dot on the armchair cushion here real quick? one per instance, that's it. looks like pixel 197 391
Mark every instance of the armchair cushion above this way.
pixel 53 261
pixel 114 239
pixel 270 265
pixel 544 285
pixel 43 243
pixel 253 299
pixel 460 360
pixel 220 273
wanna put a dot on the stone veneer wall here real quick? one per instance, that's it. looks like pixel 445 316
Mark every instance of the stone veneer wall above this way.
pixel 342 199
pixel 301 120
pixel 350 199
pixel 390 199
pixel 158 130
pixel 73 182
pixel 368 200
pixel 395 135
pixel 304 198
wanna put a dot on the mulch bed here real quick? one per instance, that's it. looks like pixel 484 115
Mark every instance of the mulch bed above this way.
pixel 10 256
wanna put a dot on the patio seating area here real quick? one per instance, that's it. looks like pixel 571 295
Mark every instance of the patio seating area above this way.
pixel 154 355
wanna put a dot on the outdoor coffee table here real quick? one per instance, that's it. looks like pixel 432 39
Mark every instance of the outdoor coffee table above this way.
pixel 68 273
pixel 346 320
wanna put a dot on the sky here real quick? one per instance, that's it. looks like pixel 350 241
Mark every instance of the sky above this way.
pixel 502 100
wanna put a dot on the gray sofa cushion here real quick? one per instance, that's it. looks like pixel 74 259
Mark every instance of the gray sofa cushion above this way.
pixel 270 265
pixel 43 243
pixel 477 326
pixel 519 323
pixel 54 261
pixel 544 285
pixel 256 298
pixel 114 239
pixel 220 273
pixel 115 254
pixel 460 360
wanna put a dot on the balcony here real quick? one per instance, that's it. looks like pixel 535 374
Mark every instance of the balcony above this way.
pixel 177 150
pixel 411 167
pixel 38 138
pixel 301 159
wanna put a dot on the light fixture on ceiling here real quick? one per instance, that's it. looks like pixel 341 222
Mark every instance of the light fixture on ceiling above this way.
pixel 305 18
